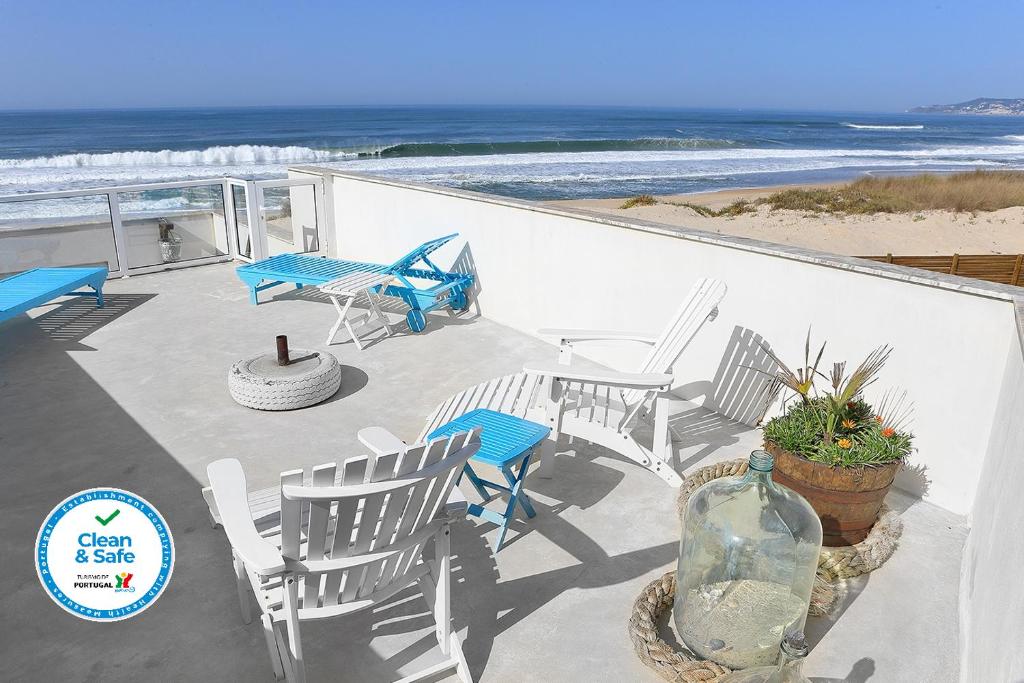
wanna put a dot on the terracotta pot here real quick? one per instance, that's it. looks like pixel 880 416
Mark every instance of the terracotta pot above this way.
pixel 847 499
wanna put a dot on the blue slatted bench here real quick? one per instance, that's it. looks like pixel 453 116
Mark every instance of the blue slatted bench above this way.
pixel 302 269
pixel 24 291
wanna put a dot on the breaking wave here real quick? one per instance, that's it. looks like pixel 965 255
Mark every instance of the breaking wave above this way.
pixel 211 156
pixel 444 149
pixel 872 126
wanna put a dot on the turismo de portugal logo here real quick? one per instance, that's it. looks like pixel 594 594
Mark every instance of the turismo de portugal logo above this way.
pixel 104 554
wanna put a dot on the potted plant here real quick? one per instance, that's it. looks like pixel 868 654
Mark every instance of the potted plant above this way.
pixel 836 449
pixel 170 243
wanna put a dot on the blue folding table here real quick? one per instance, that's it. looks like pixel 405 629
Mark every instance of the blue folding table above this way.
pixel 505 442
pixel 303 269
pixel 24 291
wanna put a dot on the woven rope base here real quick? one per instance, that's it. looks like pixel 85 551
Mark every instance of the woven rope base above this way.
pixel 834 564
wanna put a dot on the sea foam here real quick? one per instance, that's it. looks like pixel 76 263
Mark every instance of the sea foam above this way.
pixel 211 156
pixel 873 126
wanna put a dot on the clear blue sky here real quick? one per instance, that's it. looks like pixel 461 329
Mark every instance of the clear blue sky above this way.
pixel 838 55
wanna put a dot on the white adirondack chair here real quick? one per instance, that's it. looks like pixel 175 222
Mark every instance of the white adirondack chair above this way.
pixel 344 539
pixel 605 406
pixel 602 406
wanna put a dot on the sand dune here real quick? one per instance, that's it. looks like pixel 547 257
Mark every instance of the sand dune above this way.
pixel 912 234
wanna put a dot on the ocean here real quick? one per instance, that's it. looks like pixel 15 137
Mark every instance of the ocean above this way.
pixel 528 152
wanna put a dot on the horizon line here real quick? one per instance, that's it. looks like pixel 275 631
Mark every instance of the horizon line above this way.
pixel 30 110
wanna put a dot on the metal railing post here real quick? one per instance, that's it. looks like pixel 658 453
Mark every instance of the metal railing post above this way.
pixel 257 225
pixel 229 217
pixel 120 239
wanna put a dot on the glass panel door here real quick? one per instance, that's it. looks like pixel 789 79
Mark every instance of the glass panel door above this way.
pixel 291 212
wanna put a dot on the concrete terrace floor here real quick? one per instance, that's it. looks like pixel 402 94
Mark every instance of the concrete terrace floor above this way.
pixel 134 396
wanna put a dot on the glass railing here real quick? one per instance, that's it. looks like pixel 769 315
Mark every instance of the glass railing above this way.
pixel 174 225
pixel 62 231
pixel 143 228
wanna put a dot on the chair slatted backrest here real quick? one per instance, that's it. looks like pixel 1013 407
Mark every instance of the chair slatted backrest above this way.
pixel 699 305
pixel 510 394
pixel 356 533
pixel 420 253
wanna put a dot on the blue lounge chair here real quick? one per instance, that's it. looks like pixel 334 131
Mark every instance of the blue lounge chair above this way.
pixel 303 269
pixel 24 291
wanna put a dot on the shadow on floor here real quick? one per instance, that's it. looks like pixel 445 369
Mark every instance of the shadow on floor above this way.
pixel 61 433
pixel 862 670
pixel 75 319
pixel 817 627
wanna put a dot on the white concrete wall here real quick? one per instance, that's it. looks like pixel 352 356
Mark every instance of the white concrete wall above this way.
pixel 991 591
pixel 540 267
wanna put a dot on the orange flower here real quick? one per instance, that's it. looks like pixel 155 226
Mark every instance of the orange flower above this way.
pixel 849 424
pixel 888 432
pixel 845 443
pixel 878 419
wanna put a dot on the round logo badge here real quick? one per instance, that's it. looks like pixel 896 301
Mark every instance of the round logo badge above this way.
pixel 104 554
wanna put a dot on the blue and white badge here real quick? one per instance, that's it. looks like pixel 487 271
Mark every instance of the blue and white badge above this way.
pixel 104 554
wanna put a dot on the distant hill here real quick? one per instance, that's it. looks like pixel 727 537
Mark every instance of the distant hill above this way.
pixel 981 105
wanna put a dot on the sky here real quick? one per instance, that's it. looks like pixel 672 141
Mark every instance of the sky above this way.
pixel 824 55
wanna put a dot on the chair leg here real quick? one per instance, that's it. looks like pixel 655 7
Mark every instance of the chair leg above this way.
pixel 211 505
pixel 442 591
pixel 291 607
pixel 274 646
pixel 553 416
pixel 461 667
pixel 662 446
pixel 241 581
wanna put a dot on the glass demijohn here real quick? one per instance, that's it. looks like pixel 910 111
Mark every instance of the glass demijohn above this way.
pixel 747 560
pixel 788 670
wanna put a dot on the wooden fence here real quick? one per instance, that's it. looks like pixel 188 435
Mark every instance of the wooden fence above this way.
pixel 1007 269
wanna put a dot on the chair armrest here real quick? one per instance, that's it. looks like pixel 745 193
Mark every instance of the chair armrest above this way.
pixel 380 440
pixel 624 380
pixel 228 483
pixel 569 335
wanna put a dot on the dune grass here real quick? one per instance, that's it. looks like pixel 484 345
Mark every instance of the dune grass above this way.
pixel 965 192
pixel 735 209
pixel 639 200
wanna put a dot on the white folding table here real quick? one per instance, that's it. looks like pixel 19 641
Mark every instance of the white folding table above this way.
pixel 348 288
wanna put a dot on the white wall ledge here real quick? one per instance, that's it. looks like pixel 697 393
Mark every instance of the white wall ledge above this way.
pixel 956 283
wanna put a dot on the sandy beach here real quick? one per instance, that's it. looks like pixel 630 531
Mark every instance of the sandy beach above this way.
pixel 920 233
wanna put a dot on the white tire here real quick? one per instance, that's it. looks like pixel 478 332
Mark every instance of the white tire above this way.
pixel 306 387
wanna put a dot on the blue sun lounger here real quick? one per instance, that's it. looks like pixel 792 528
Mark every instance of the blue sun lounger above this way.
pixel 303 269
pixel 24 291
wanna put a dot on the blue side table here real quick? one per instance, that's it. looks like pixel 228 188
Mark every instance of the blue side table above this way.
pixel 506 441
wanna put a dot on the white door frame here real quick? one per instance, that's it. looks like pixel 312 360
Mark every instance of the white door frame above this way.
pixel 259 220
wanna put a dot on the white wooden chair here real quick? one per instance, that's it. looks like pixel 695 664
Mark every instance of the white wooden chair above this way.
pixel 605 406
pixel 343 539
pixel 600 406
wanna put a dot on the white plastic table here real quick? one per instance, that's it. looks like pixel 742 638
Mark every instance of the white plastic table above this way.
pixel 348 288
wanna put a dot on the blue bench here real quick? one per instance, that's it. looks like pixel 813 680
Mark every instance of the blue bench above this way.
pixel 302 269
pixel 24 291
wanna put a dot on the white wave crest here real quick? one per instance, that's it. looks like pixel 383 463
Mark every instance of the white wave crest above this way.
pixel 211 156
pixel 878 126
pixel 1015 138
